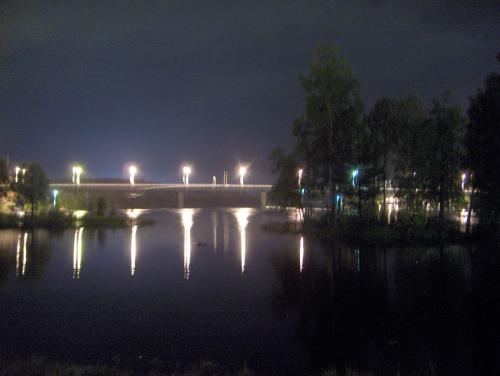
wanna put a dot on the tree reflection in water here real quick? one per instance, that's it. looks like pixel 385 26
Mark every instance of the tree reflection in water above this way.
pixel 380 310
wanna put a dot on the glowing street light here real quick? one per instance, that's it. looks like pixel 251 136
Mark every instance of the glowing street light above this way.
pixel 186 171
pixel 77 171
pixel 55 192
pixel 17 173
pixel 243 171
pixel 464 177
pixel 301 171
pixel 132 171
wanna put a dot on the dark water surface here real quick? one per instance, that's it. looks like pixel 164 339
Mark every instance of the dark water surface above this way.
pixel 211 285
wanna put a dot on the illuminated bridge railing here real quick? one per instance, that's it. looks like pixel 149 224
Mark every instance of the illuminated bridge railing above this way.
pixel 148 186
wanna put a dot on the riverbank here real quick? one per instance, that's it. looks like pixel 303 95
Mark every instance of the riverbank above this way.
pixel 359 231
pixel 58 220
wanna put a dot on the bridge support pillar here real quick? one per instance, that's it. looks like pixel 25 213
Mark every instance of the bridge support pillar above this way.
pixel 263 200
pixel 180 199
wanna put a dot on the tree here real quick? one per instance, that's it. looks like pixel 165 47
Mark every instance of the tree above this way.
pixel 443 150
pixel 101 206
pixel 4 174
pixel 382 128
pixel 410 155
pixel 34 185
pixel 482 143
pixel 285 191
pixel 327 132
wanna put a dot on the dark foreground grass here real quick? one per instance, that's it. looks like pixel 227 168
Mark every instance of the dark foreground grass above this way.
pixel 38 366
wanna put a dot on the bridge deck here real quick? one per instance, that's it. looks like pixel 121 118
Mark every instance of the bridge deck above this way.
pixel 157 195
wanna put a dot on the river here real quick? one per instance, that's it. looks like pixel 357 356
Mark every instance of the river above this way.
pixel 211 285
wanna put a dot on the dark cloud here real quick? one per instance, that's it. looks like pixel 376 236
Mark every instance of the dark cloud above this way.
pixel 213 83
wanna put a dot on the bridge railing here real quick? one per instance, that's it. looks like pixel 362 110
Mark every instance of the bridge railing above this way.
pixel 142 186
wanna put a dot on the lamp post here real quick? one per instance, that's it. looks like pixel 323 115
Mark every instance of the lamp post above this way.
pixel 77 171
pixel 186 170
pixel 464 177
pixel 243 171
pixel 301 171
pixel 17 169
pixel 132 171
pixel 55 192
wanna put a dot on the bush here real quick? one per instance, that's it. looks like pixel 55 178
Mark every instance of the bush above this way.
pixel 53 219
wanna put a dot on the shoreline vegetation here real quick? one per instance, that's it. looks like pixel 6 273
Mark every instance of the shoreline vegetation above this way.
pixel 360 231
pixel 25 203
pixel 59 220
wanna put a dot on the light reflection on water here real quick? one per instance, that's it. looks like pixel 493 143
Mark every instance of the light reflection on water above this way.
pixel 77 252
pixel 214 230
pixel 301 254
pixel 226 234
pixel 21 256
pixel 133 249
pixel 242 215
pixel 187 224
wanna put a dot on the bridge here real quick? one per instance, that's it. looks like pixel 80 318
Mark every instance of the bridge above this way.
pixel 163 195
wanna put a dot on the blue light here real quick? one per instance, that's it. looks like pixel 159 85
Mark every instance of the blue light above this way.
pixel 355 173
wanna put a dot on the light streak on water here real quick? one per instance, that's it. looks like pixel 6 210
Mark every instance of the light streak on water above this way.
pixel 25 253
pixel 18 253
pixel 133 249
pixel 21 253
pixel 226 234
pixel 214 230
pixel 242 215
pixel 301 254
pixel 77 252
pixel 187 223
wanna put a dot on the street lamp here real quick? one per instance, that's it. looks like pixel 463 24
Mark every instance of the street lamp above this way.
pixel 186 170
pixel 301 170
pixel 243 171
pixel 17 173
pixel 464 177
pixel 55 192
pixel 132 171
pixel 77 171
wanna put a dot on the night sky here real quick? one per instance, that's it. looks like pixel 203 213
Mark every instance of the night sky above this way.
pixel 213 83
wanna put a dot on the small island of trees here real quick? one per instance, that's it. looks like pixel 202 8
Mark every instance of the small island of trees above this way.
pixel 427 165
